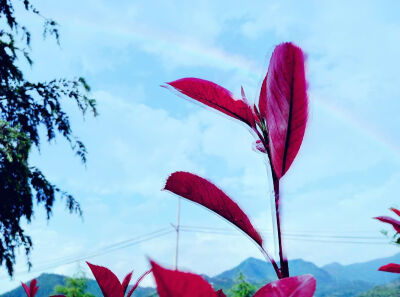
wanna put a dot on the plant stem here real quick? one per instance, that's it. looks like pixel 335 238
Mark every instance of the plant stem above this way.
pixel 177 227
pixel 282 257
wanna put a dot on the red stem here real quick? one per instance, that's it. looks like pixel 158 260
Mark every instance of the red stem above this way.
pixel 282 257
pixel 284 265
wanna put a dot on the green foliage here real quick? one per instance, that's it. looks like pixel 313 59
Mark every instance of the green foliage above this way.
pixel 390 290
pixel 27 107
pixel 74 287
pixel 242 288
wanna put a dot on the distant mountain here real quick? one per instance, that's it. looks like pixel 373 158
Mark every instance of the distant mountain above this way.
pixel 260 272
pixel 47 282
pixel 367 271
pixel 333 280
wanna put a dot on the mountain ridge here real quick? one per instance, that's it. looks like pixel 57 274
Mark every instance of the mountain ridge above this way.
pixel 333 280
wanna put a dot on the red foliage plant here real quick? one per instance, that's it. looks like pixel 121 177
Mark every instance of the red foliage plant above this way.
pixel 181 284
pixel 393 268
pixel 109 284
pixel 278 122
pixel 33 288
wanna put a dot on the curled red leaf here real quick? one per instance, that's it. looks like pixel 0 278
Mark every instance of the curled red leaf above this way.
pixel 174 283
pixel 216 97
pixel 389 220
pixel 297 286
pixel 393 268
pixel 138 282
pixel 205 193
pixel 284 104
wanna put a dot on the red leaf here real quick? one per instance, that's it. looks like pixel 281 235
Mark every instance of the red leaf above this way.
pixel 284 104
pixel 389 220
pixel 259 146
pixel 26 289
pixel 138 282
pixel 201 191
pixel 220 293
pixel 297 286
pixel 394 268
pixel 126 282
pixel 107 281
pixel 216 97
pixel 33 288
pixel 262 100
pixel 396 211
pixel 174 283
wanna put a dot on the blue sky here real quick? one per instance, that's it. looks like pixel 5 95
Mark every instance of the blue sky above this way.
pixel 347 171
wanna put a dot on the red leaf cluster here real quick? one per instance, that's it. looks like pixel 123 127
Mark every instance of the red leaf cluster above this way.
pixel 174 283
pixel 109 283
pixel 32 289
pixel 393 268
pixel 281 114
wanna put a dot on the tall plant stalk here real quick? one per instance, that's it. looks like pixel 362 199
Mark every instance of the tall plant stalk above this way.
pixel 278 122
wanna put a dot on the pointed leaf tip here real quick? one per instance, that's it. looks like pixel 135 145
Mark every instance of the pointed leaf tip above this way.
pixel 126 281
pixel 107 281
pixel 297 286
pixel 391 221
pixel 284 104
pixel 393 268
pixel 180 284
pixel 215 96
pixel 205 193
pixel 138 282
pixel 395 210
pixel 26 289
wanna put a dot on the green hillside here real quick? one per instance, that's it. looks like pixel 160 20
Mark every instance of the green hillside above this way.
pixel 389 290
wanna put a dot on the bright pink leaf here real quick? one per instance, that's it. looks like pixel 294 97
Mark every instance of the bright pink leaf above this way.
pixel 297 286
pixel 107 281
pixel 216 97
pixel 174 283
pixel 137 283
pixel 284 104
pixel 205 193
pixel 393 268
pixel 126 282
pixel 389 220
pixel 396 211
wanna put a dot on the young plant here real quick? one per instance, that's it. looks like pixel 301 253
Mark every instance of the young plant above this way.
pixel 391 267
pixel 109 284
pixel 278 123
pixel 33 288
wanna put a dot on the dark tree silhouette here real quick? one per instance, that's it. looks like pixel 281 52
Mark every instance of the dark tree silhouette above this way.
pixel 25 108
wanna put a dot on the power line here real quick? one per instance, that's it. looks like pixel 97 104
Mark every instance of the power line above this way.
pixel 108 249
pixel 296 237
